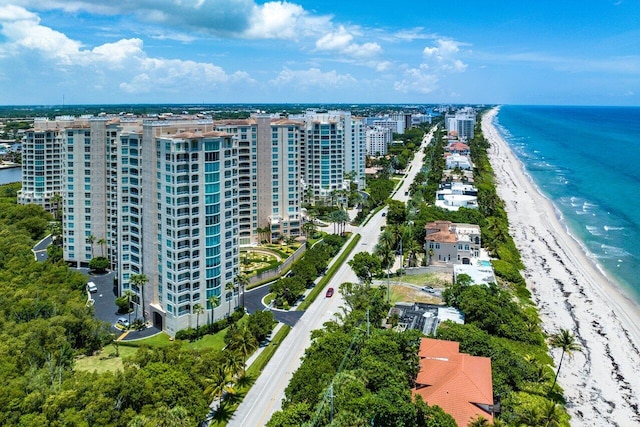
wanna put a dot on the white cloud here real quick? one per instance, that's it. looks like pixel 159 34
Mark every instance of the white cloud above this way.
pixel 443 55
pixel 341 41
pixel 23 33
pixel 283 20
pixel 224 18
pixel 418 80
pixel 313 77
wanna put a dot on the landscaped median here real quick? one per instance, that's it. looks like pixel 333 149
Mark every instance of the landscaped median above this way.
pixel 330 272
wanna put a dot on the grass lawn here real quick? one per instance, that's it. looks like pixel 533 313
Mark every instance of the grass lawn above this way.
pixel 101 362
pixel 400 293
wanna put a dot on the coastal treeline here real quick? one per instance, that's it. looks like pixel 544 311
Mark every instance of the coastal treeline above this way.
pixel 46 325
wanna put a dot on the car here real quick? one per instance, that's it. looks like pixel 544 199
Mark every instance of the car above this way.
pixel 384 214
pixel 329 292
pixel 123 322
pixel 91 287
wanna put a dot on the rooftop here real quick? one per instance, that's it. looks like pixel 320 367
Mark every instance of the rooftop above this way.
pixel 459 383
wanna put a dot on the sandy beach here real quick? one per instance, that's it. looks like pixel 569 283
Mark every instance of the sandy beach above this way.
pixel 602 384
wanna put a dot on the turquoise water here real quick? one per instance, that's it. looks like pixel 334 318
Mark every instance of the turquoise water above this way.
pixel 585 159
pixel 485 263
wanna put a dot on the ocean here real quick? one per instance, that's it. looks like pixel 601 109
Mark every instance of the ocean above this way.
pixel 584 160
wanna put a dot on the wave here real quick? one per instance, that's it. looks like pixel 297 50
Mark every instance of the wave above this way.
pixel 593 230
pixel 612 228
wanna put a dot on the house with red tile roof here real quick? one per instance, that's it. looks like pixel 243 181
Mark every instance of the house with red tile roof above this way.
pixel 459 383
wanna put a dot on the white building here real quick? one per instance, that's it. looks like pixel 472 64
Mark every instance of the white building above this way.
pixel 461 123
pixel 458 161
pixel 377 139
pixel 332 146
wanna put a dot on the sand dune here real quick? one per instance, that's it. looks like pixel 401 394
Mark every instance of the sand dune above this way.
pixel 601 384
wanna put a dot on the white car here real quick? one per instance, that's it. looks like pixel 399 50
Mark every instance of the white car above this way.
pixel 91 287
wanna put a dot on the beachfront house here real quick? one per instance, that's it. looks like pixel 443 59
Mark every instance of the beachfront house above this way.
pixel 458 161
pixel 451 243
pixel 459 383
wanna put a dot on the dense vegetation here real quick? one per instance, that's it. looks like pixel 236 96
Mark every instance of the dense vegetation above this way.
pixel 45 325
pixel 355 375
pixel 289 289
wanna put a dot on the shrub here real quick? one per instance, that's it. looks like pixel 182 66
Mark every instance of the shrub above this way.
pixel 99 264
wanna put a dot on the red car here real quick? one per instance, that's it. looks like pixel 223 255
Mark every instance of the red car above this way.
pixel 329 292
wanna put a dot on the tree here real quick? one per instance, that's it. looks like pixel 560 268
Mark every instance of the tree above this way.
pixel 56 201
pixel 242 280
pixel 214 302
pixel 198 309
pixel 229 287
pixel 102 241
pixel 243 341
pixel 99 264
pixel 260 324
pixel 219 383
pixel 90 241
pixel 387 258
pixel 479 421
pixel 308 228
pixel 365 266
pixel 140 280
pixel 128 294
pixel 566 341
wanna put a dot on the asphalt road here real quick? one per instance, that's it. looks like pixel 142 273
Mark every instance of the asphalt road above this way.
pixel 266 395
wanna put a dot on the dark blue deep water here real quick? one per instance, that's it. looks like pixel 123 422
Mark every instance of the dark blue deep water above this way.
pixel 587 161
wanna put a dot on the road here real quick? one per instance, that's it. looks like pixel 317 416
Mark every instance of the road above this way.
pixel 266 395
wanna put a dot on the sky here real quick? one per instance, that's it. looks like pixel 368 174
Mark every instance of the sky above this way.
pixel 569 52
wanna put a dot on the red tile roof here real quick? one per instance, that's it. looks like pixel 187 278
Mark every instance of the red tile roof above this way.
pixel 459 383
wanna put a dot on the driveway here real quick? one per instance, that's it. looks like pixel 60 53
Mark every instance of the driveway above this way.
pixel 105 299
pixel 253 303
pixel 40 249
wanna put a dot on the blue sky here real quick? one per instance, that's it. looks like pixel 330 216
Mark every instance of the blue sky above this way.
pixel 247 51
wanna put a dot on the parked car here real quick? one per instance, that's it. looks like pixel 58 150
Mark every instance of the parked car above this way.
pixel 428 289
pixel 384 214
pixel 123 322
pixel 329 292
pixel 91 287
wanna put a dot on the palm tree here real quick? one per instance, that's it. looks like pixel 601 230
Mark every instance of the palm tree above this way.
pixel 140 280
pixel 198 309
pixel 232 361
pixel 219 383
pixel 128 294
pixel 550 414
pixel 387 257
pixel 243 342
pixel 90 240
pixel 566 341
pixel 242 280
pixel 214 302
pixel 479 421
pixel 229 287
pixel 308 228
pixel 102 241
pixel 56 201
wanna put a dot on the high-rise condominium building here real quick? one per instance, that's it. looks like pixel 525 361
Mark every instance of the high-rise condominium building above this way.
pixel 462 122
pixel 42 163
pixel 184 239
pixel 332 149
pixel 377 140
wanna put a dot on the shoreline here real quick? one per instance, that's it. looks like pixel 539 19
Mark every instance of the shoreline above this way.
pixel 572 292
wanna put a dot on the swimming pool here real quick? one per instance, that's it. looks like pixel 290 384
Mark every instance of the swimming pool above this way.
pixel 484 263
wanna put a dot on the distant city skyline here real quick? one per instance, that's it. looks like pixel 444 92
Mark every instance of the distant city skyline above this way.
pixel 245 51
